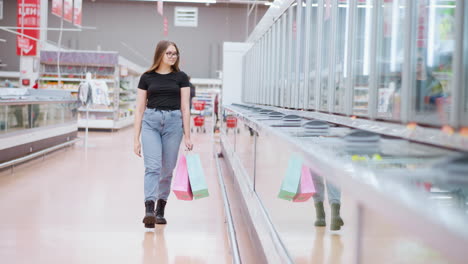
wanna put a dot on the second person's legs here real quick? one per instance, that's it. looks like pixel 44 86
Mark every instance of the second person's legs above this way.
pixel 334 194
pixel 334 199
pixel 319 197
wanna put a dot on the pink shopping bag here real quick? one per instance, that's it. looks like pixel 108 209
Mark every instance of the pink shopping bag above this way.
pixel 306 187
pixel 181 186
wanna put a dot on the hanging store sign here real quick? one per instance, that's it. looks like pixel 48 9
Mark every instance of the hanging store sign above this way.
pixel 77 11
pixel 68 10
pixel 57 7
pixel 28 16
pixel 166 27
pixel 160 7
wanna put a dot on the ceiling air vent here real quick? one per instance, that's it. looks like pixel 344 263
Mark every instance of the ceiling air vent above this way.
pixel 186 17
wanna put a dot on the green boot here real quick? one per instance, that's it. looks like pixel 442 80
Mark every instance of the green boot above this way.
pixel 319 214
pixel 336 221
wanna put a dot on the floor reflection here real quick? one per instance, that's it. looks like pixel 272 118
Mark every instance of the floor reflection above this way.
pixel 327 248
pixel 336 249
pixel 318 249
pixel 154 246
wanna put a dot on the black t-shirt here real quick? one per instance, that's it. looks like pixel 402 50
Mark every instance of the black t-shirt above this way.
pixel 163 89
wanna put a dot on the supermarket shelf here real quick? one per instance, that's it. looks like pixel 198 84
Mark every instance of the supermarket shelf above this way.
pixel 97 110
pixel 124 122
pixel 123 91
pixel 361 88
pixel 71 90
pixel 72 79
pixel 53 89
pixel 106 124
pixel 73 73
pixel 9 74
pixel 96 123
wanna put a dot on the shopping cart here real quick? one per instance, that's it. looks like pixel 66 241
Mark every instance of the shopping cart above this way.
pixel 199 106
pixel 199 120
pixel 231 123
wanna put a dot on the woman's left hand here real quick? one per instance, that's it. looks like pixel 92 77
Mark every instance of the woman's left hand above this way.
pixel 188 144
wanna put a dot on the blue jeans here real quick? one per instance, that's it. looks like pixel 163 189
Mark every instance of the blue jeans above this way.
pixel 334 194
pixel 161 134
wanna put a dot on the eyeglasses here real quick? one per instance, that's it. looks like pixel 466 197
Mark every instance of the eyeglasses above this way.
pixel 170 54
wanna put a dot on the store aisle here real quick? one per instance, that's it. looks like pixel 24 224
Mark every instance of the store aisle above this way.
pixel 87 207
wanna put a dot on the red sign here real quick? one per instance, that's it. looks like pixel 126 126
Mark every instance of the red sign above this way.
pixel 25 82
pixel 57 7
pixel 77 13
pixel 68 10
pixel 28 16
pixel 166 27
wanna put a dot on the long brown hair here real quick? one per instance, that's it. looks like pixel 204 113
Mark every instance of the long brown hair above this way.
pixel 160 52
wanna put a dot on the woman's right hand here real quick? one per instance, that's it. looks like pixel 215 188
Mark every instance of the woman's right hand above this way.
pixel 137 148
pixel 188 144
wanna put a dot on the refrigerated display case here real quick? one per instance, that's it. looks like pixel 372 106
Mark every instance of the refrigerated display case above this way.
pixel 269 65
pixel 325 52
pixel 311 60
pixel 362 57
pixel 261 58
pixel 33 120
pixel 433 48
pixel 340 61
pixel 390 58
pixel 390 67
pixel 283 49
pixel 301 9
pixel 274 67
pixel 276 64
pixel 291 56
pixel 464 88
pixel 416 180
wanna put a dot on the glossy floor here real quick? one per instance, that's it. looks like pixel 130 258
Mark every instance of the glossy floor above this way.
pixel 78 206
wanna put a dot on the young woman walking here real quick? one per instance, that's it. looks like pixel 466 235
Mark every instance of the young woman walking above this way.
pixel 162 117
